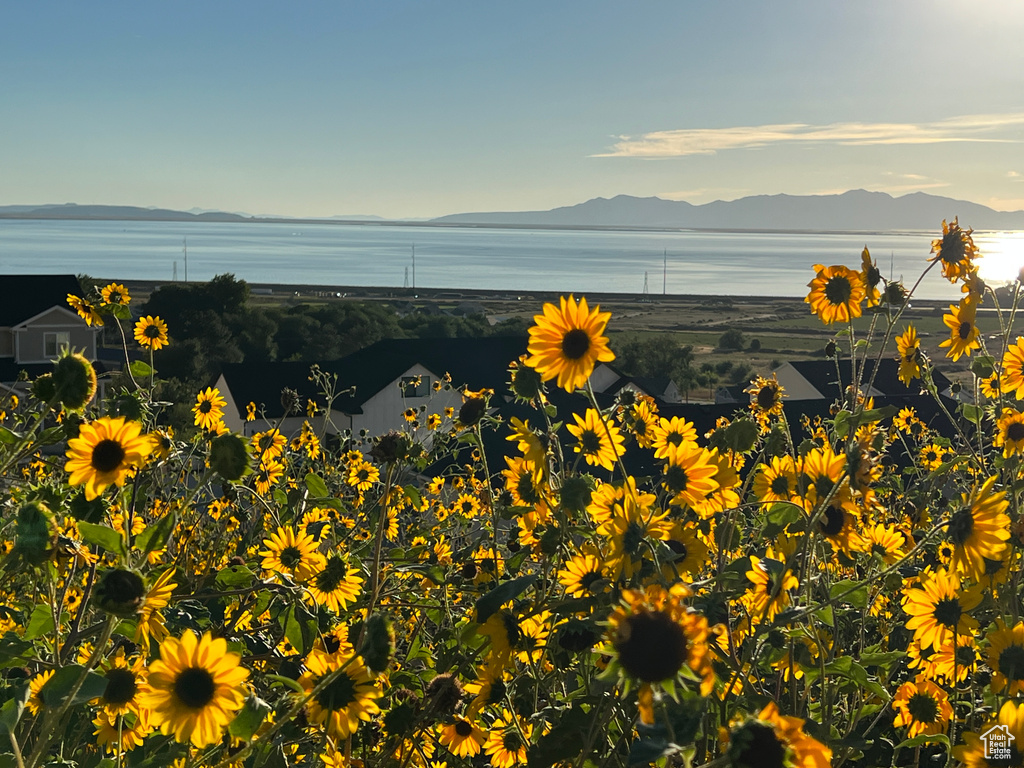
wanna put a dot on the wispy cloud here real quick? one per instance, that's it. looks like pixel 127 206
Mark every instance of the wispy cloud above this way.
pixel 706 141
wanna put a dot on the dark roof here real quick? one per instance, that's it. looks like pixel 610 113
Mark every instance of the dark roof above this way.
pixel 656 386
pixel 474 362
pixel 822 376
pixel 25 296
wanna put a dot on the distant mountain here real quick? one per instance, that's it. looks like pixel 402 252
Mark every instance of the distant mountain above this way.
pixel 856 210
pixel 116 212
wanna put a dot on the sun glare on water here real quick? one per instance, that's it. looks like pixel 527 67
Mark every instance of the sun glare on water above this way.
pixel 1003 256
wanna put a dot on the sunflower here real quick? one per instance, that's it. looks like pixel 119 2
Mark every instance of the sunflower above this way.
pixel 933 455
pixel 632 524
pixel 463 738
pixel 151 332
pixel 85 310
pixel 35 701
pixel 976 752
pixel 599 441
pixel 362 475
pixel 964 660
pixel 909 348
pixel 115 293
pixel 1012 379
pixel 350 697
pixel 507 741
pixel 151 622
pixel 922 707
pixel 643 420
pixel 765 396
pixel 669 434
pixel 294 554
pixel 769 591
pixel 990 386
pixel 528 442
pixel 979 529
pixel 836 294
pixel 567 342
pixel 689 475
pixel 533 635
pixel 267 473
pixel 1006 657
pixel 884 541
pixel 104 452
pixel 195 688
pixel 939 608
pixel 955 250
pixel 209 409
pixel 776 481
pixel 691 553
pixel 523 481
pixel 963 333
pixel 124 682
pixel 270 444
pixel 467 505
pixel 581 573
pixel 772 740
pixel 1010 433
pixel 336 585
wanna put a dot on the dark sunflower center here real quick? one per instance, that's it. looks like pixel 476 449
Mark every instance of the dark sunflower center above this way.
pixel 952 247
pixel 879 549
pixel 947 612
pixel 674 438
pixel 632 537
pixel 961 525
pixel 923 708
pixel 964 330
pixel 1015 432
pixel 832 522
pixel 121 686
pixel 780 485
pixel 107 455
pixel 873 276
pixel 463 728
pixel 757 746
pixel 766 397
pixel 1011 662
pixel 675 479
pixel 679 548
pixel 205 407
pixel 587 579
pixel 338 695
pixel 362 475
pixel 151 332
pixel 331 577
pixel 194 687
pixel 290 557
pixel 651 646
pixel 838 290
pixel 640 427
pixel 823 484
pixel 590 441
pixel 966 656
pixel 575 344
pixel 526 490
pixel 511 741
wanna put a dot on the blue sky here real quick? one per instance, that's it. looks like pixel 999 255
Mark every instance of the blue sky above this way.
pixel 401 108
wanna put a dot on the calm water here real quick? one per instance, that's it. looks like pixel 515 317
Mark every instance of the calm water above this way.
pixel 515 259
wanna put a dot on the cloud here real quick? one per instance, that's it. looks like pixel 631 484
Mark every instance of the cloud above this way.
pixel 707 141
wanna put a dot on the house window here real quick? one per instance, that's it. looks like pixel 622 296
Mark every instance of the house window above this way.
pixel 53 341
pixel 415 386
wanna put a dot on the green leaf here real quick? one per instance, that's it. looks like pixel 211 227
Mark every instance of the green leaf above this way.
pixel 140 370
pixel 842 423
pixel 102 536
pixel 235 577
pixel 286 681
pixel 11 711
pixel 563 742
pixel 250 718
pixel 494 599
pixel 9 437
pixel 924 738
pixel 972 413
pixel 155 536
pixel 825 615
pixel 877 414
pixel 13 649
pixel 58 687
pixel 316 485
pixel 857 597
pixel 413 494
pixel 40 623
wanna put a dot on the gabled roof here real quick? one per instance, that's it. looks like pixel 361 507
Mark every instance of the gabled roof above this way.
pixel 25 296
pixel 821 374
pixel 473 362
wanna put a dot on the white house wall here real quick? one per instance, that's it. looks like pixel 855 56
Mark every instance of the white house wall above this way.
pixel 795 385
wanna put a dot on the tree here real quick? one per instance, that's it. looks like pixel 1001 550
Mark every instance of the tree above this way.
pixel 732 339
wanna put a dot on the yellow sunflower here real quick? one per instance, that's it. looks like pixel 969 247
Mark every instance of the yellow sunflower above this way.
pixel 979 530
pixel 770 583
pixel 270 444
pixel 104 452
pixel 669 434
pixel 294 554
pixel 963 333
pixel 506 743
pixel 933 455
pixel 909 348
pixel 150 623
pixel 765 395
pixel 85 310
pixel 592 433
pixel 955 250
pixel 151 332
pixel 1010 433
pixel 121 733
pixel 938 607
pixel 336 585
pixel 124 682
pixel 976 752
pixel 195 688
pixel 115 293
pixel 362 475
pixel 643 422
pixel 35 702
pixel 689 475
pixel 922 707
pixel 774 740
pixel 990 386
pixel 836 294
pixel 884 541
pixel 1006 658
pixel 776 481
pixel 581 573
pixel 964 660
pixel 567 342
pixel 523 481
pixel 209 409
pixel 267 473
pixel 463 738
pixel 1012 367
pixel 349 698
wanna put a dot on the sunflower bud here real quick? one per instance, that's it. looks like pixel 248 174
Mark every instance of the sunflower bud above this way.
pixel 121 592
pixel 229 456
pixel 378 643
pixel 74 381
pixel 43 388
pixel 390 448
pixel 576 494
pixel 576 636
pixel 471 411
pixel 526 382
pixel 444 694
pixel 35 533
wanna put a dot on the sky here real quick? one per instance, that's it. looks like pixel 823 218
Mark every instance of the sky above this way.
pixel 403 108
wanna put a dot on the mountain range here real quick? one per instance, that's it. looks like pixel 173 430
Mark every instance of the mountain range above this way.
pixel 856 210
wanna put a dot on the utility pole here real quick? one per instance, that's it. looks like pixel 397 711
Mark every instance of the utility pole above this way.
pixel 414 266
pixel 184 248
pixel 664 274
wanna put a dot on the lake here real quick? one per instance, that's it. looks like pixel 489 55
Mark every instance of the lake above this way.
pixel 685 262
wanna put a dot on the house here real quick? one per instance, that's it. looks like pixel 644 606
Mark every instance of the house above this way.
pixel 36 322
pixel 822 379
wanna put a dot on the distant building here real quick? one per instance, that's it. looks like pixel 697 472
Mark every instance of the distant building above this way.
pixel 824 380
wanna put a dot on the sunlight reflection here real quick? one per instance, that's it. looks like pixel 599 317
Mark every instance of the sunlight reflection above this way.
pixel 1002 256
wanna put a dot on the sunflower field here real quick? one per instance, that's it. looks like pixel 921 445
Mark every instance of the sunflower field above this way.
pixel 845 591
